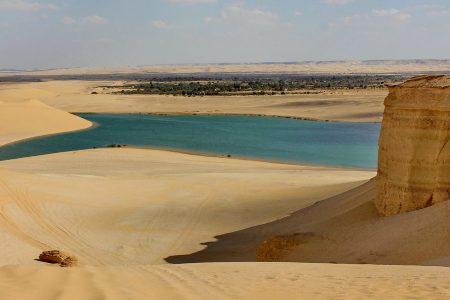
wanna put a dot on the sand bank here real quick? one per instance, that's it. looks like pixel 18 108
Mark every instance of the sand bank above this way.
pixel 26 119
pixel 75 96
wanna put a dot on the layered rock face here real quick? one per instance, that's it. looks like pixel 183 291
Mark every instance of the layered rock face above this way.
pixel 414 147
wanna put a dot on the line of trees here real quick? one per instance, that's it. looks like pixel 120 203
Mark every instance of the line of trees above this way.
pixel 254 87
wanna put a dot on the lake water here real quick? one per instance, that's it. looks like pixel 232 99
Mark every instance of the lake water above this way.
pixel 265 138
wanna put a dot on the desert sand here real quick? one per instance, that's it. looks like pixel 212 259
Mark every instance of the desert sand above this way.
pixel 308 67
pixel 226 281
pixel 135 206
pixel 75 96
pixel 122 212
pixel 344 229
pixel 33 118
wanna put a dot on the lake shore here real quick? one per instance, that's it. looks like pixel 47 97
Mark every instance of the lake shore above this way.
pixel 76 97
pixel 30 118
pixel 340 145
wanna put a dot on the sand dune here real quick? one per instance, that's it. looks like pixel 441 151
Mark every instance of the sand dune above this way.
pixel 133 207
pixel 75 96
pixel 343 229
pixel 226 281
pixel 21 120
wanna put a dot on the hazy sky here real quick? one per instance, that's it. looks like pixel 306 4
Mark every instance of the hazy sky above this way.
pixel 70 33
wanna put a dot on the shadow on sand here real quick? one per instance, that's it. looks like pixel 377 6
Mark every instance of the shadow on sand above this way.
pixel 342 229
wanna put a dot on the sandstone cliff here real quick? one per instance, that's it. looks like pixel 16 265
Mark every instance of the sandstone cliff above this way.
pixel 414 148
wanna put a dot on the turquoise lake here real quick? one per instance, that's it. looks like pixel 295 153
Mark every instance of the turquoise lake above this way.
pixel 262 138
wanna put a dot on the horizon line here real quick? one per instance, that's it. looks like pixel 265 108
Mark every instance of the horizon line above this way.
pixel 231 63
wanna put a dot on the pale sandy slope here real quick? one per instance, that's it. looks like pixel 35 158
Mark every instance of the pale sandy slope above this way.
pixel 133 207
pixel 226 281
pixel 25 119
pixel 342 229
pixel 75 96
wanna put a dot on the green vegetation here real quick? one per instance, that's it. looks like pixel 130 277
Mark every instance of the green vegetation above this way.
pixel 236 87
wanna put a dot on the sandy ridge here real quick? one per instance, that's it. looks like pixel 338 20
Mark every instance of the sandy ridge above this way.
pixel 26 119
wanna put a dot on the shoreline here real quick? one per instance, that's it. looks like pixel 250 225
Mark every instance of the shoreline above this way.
pixel 224 114
pixel 182 151
pixel 197 154
pixel 93 125
pixel 242 158
pixel 363 106
pixel 32 118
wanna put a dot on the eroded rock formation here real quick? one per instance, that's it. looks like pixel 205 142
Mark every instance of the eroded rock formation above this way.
pixel 414 147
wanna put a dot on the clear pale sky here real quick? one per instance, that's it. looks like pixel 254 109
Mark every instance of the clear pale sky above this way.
pixel 74 33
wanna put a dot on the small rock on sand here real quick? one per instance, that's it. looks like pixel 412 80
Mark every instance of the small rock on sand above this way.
pixel 58 257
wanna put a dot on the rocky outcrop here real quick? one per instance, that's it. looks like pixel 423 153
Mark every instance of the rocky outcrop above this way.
pixel 414 146
pixel 58 257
